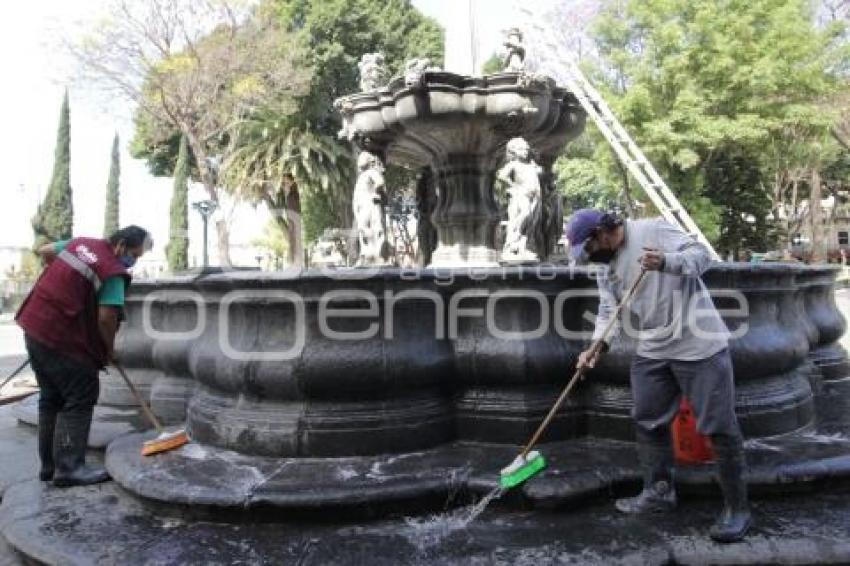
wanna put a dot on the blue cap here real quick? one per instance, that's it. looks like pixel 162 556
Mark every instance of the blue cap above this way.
pixel 583 223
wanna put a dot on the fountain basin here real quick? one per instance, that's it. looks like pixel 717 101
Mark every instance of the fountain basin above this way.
pixel 314 365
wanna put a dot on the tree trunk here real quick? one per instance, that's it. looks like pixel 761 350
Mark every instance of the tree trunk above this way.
pixel 293 224
pixel 818 255
pixel 793 222
pixel 840 138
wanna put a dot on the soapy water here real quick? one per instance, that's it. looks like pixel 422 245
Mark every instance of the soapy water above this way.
pixel 425 533
pixel 822 438
pixel 813 437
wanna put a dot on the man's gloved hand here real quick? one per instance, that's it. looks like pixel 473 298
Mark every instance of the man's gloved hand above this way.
pixel 652 259
pixel 589 357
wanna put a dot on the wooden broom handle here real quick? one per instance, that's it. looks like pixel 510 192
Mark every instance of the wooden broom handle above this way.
pixel 152 417
pixel 580 370
pixel 15 373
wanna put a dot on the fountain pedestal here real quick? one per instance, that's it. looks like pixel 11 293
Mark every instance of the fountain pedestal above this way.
pixel 466 216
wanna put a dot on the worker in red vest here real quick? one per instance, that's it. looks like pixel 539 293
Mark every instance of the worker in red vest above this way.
pixel 69 320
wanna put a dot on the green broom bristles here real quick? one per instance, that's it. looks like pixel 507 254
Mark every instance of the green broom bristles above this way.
pixel 512 476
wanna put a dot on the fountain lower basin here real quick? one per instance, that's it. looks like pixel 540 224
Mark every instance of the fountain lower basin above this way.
pixel 340 388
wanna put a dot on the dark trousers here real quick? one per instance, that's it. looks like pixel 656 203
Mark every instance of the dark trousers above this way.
pixel 66 385
pixel 657 387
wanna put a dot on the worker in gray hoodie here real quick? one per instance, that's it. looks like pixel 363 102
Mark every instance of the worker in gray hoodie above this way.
pixel 682 348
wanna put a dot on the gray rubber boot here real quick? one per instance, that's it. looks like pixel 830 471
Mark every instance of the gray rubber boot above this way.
pixel 69 451
pixel 735 519
pixel 658 494
pixel 46 428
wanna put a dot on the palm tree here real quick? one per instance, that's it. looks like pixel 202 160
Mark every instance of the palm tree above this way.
pixel 271 159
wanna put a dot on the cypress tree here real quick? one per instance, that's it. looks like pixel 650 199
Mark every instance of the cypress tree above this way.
pixel 177 249
pixel 54 219
pixel 110 219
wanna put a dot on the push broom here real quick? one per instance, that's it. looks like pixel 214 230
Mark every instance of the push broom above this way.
pixel 530 462
pixel 166 440
pixel 14 398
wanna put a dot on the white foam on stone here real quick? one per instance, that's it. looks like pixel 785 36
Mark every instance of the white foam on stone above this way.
pixel 835 438
pixel 172 523
pixel 346 473
pixel 755 444
pixel 194 451
pixel 375 472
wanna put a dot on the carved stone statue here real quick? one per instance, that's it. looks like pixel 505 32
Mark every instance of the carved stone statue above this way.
pixel 369 201
pixel 414 71
pixel 514 57
pixel 426 202
pixel 373 74
pixel 522 175
pixel 552 226
pixel 348 131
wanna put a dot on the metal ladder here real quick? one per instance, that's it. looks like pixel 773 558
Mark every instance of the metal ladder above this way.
pixel 564 68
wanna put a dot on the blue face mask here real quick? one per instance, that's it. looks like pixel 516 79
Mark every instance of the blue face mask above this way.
pixel 128 260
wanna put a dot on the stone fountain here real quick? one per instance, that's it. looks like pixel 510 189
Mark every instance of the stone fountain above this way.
pixel 457 127
pixel 376 388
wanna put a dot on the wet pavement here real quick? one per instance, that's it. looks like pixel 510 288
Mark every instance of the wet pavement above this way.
pixel 572 520
pixel 106 525
pixel 102 525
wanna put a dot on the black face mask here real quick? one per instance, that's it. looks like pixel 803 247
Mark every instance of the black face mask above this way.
pixel 602 256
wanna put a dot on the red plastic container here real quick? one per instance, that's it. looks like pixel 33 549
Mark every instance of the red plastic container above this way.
pixel 689 446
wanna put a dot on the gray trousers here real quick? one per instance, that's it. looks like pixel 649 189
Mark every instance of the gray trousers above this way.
pixel 657 387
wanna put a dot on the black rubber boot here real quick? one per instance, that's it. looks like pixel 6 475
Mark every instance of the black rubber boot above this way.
pixel 735 519
pixel 46 427
pixel 658 494
pixel 69 451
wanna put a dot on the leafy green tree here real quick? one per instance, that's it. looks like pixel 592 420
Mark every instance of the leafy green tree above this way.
pixel 734 176
pixel 54 219
pixel 317 215
pixel 700 85
pixel 275 163
pixel 331 36
pixel 177 249
pixel 195 68
pixel 589 175
pixel 274 242
pixel 337 33
pixel 110 217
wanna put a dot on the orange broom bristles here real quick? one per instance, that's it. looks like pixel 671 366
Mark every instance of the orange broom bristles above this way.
pixel 165 442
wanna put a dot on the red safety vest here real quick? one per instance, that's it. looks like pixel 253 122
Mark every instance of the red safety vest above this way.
pixel 61 310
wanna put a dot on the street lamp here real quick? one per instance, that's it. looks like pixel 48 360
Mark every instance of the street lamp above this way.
pixel 206 208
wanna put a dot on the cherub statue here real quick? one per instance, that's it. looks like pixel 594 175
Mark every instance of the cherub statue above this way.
pixel 372 71
pixel 514 57
pixel 426 203
pixel 414 71
pixel 522 175
pixel 369 202
pixel 344 106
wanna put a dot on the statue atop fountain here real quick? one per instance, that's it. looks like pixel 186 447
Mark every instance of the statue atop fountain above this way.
pixel 426 202
pixel 373 73
pixel 525 215
pixel 514 57
pixel 369 202
pixel 415 69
